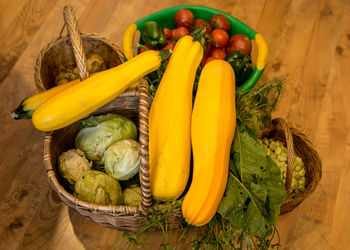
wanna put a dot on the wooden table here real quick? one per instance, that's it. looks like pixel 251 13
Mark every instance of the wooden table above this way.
pixel 309 43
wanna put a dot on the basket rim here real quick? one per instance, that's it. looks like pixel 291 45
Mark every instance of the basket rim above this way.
pixel 62 39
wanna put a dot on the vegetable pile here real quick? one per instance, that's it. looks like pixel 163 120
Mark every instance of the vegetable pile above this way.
pixel 106 154
pixel 278 152
pixel 94 62
pixel 206 160
pixel 217 42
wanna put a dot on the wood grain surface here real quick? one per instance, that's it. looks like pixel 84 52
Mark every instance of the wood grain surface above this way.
pixel 309 43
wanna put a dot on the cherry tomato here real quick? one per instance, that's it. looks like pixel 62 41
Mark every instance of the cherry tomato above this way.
pixel 142 50
pixel 240 43
pixel 219 21
pixel 206 52
pixel 209 59
pixel 179 32
pixel 221 37
pixel 167 33
pixel 199 23
pixel 183 17
pixel 218 54
pixel 169 45
pixel 148 48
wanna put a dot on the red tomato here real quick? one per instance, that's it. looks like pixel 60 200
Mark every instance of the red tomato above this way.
pixel 218 54
pixel 199 23
pixel 183 17
pixel 167 33
pixel 206 52
pixel 179 32
pixel 221 37
pixel 219 21
pixel 209 59
pixel 142 50
pixel 240 43
pixel 169 45
pixel 149 47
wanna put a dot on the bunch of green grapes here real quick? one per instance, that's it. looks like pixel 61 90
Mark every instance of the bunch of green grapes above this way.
pixel 278 152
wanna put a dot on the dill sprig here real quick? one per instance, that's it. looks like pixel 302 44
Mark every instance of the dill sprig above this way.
pixel 217 234
pixel 254 107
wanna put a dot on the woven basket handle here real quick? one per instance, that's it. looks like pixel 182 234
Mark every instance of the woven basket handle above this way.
pixel 77 44
pixel 146 201
pixel 290 150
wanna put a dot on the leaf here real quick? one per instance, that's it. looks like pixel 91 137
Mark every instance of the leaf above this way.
pixel 255 190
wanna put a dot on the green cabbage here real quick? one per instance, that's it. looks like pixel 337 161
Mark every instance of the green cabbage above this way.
pixel 72 164
pixel 98 188
pixel 99 132
pixel 122 159
pixel 132 196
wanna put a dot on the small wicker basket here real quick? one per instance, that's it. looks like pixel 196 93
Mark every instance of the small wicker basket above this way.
pixel 131 104
pixel 67 52
pixel 296 142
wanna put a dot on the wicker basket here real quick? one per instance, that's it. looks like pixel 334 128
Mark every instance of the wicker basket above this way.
pixel 67 52
pixel 124 218
pixel 132 104
pixel 296 142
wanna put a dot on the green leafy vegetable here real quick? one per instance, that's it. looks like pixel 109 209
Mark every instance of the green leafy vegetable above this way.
pixel 255 189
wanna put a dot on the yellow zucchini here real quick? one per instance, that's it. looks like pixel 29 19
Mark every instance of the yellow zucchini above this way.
pixel 212 129
pixel 170 122
pixel 74 103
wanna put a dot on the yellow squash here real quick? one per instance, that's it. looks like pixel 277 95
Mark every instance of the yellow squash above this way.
pixel 31 103
pixel 212 129
pixel 76 102
pixel 170 122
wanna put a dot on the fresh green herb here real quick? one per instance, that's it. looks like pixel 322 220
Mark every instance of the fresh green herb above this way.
pixel 155 77
pixel 219 233
pixel 157 218
pixel 254 106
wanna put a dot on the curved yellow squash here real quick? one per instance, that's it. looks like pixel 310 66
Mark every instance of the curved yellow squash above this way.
pixel 170 122
pixel 212 130
pixel 76 102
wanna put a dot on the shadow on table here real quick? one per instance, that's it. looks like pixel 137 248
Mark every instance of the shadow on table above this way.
pixel 91 234
pixel 95 236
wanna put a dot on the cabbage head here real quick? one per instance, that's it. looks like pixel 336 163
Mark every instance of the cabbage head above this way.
pixel 132 196
pixel 99 132
pixel 98 188
pixel 122 159
pixel 72 164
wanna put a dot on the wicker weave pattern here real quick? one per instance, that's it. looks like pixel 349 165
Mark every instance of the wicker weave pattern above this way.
pixel 77 43
pixel 279 122
pixel 143 139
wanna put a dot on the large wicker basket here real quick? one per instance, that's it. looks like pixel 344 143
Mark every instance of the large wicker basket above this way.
pixel 296 142
pixel 132 104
